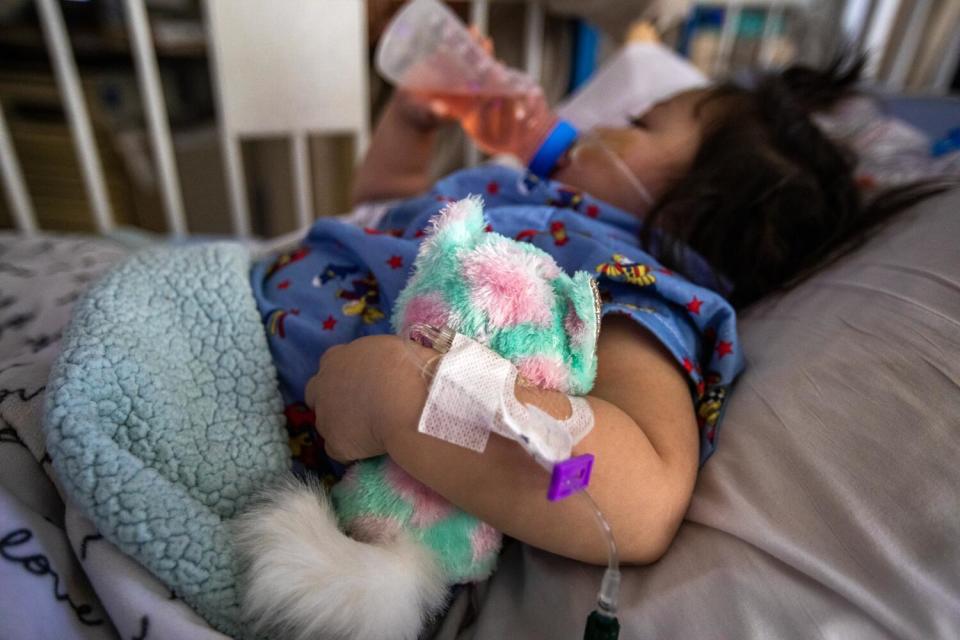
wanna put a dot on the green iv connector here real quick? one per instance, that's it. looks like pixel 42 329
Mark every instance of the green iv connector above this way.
pixel 602 623
pixel 601 626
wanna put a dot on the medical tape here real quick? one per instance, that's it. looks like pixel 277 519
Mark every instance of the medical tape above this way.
pixel 473 393
pixel 549 440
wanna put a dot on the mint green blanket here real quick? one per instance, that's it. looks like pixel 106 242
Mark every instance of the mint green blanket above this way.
pixel 163 415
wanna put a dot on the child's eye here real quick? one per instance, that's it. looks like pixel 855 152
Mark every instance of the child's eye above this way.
pixel 640 122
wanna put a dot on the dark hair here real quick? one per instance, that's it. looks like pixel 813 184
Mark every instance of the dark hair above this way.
pixel 769 198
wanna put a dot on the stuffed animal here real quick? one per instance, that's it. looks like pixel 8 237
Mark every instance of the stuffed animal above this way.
pixel 407 545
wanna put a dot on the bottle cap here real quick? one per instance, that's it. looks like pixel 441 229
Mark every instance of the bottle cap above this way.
pixel 560 138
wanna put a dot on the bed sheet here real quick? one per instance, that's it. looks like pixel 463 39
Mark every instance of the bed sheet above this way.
pixel 934 115
pixel 59 577
pixel 829 509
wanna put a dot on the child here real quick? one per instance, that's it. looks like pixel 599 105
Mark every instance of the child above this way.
pixel 749 196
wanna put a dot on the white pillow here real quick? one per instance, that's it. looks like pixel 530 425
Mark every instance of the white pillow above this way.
pixel 639 75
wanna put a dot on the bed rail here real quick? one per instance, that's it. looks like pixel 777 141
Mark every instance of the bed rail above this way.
pixel 352 38
pixel 65 70
pixel 868 22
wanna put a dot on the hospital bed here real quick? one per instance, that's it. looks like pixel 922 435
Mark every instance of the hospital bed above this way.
pixel 830 508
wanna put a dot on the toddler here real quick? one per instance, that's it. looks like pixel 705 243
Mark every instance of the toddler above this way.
pixel 745 196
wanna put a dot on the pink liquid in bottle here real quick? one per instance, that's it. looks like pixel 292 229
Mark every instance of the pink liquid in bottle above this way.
pixel 429 52
pixel 498 123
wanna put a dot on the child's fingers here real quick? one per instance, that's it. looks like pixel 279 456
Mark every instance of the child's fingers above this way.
pixel 484 41
pixel 643 31
pixel 425 114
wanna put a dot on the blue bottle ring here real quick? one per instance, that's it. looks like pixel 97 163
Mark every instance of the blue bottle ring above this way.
pixel 560 138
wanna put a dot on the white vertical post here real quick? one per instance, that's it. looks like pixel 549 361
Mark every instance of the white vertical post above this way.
pixel 236 184
pixel 731 22
pixel 301 178
pixel 480 15
pixel 361 139
pixel 480 18
pixel 948 64
pixel 229 143
pixel 533 39
pixel 68 79
pixel 773 20
pixel 855 16
pixel 17 198
pixel 878 35
pixel 153 104
pixel 907 51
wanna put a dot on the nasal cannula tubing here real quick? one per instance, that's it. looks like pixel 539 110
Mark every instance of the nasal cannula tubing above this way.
pixel 592 139
pixel 602 623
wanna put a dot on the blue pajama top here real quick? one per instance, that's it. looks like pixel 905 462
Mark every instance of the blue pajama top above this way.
pixel 342 281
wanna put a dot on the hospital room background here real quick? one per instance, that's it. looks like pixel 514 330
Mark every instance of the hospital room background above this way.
pixel 831 507
pixel 914 50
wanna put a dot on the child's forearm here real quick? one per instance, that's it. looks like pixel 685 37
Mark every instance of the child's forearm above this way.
pixel 397 163
pixel 506 488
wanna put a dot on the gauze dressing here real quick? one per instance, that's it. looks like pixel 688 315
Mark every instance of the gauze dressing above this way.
pixel 473 393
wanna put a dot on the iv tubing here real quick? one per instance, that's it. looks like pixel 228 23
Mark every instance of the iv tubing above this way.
pixel 608 596
pixel 593 140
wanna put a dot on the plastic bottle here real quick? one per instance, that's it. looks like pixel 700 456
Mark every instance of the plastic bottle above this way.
pixel 427 50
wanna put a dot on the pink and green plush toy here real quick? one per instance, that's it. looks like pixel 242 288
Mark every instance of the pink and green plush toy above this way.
pixel 376 558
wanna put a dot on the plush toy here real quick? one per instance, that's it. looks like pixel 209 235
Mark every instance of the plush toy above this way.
pixel 407 545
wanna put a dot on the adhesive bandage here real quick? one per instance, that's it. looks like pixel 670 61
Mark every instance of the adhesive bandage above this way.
pixel 473 393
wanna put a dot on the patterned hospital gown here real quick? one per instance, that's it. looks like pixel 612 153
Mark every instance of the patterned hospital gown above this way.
pixel 342 281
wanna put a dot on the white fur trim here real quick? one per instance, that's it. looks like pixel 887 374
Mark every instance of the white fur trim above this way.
pixel 304 578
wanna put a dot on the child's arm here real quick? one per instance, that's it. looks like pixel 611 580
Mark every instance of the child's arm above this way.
pixel 397 163
pixel 645 443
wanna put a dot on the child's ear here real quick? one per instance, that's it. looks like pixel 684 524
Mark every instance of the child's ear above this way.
pixel 582 325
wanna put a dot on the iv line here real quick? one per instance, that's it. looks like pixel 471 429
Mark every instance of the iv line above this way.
pixel 608 598
pixel 602 623
pixel 592 139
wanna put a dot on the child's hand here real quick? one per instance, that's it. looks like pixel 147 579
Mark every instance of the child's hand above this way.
pixel 421 114
pixel 398 161
pixel 362 390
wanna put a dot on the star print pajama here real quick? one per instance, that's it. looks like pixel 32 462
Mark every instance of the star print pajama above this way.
pixel 342 281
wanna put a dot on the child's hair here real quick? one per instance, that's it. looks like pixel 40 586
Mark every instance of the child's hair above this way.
pixel 769 198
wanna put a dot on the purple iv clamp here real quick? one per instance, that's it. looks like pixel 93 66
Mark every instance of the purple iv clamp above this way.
pixel 570 476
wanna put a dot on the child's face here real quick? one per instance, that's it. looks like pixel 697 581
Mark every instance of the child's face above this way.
pixel 657 149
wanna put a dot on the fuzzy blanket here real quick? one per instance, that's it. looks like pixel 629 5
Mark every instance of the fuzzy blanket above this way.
pixel 163 415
